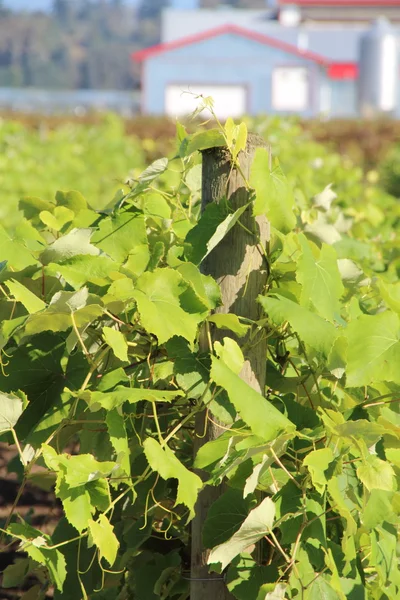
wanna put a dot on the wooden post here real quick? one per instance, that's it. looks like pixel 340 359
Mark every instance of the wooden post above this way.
pixel 239 266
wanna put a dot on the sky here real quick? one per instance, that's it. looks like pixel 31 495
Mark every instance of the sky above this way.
pixel 39 4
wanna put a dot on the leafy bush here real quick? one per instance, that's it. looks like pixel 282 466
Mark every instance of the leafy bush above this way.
pixel 390 172
pixel 101 312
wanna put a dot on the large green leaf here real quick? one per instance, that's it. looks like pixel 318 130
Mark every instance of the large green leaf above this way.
pixel 201 141
pixel 44 379
pixel 274 195
pixel 21 293
pixel 318 462
pixel 35 544
pixel 72 244
pixel 120 394
pixel 11 408
pixel 212 227
pixel 225 517
pixel 373 349
pixel 14 251
pixel 118 235
pixel 257 524
pixel 318 273
pixel 82 269
pixel 158 296
pixel 116 340
pixel 313 330
pixel 102 534
pixel 118 438
pixel 262 417
pixel 163 461
pixel 376 474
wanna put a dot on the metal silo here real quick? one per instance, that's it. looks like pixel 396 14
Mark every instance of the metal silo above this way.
pixel 378 70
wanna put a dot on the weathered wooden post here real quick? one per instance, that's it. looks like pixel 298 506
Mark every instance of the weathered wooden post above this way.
pixel 238 264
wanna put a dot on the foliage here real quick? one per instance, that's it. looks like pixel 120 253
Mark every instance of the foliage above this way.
pixel 390 171
pixel 101 312
pixel 96 159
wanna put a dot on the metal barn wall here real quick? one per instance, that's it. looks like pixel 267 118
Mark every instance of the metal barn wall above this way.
pixel 226 59
pixel 343 98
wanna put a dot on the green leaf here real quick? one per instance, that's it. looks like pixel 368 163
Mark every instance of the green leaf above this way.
pixel 158 298
pixel 80 270
pixel 229 321
pixel 77 504
pixel 156 168
pixel 390 293
pixel 118 235
pixel 262 417
pixel 318 462
pixel 103 536
pixel 373 349
pixel 247 580
pixel 339 504
pixel 274 196
pixel 44 379
pixel 65 309
pixel 319 276
pixel 225 516
pixel 313 330
pixel 224 228
pixel 118 438
pixel 168 466
pixel 119 395
pixel 201 141
pixel 58 218
pixel 75 242
pixel 32 206
pixel 35 544
pixel 72 200
pixel 31 302
pixel 14 251
pixel 99 493
pixel 236 136
pixel 204 286
pixel 320 588
pixel 230 354
pixel 116 340
pixel 378 508
pixel 14 575
pixel 257 524
pixel 84 468
pixel 11 408
pixel 213 225
pixel 376 474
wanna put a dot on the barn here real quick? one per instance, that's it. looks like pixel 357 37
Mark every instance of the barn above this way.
pixel 244 71
pixel 295 60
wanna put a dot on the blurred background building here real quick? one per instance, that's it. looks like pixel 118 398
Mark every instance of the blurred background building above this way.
pixel 305 58
pixel 308 57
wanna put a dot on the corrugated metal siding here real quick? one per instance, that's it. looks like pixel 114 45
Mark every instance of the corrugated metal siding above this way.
pixel 227 59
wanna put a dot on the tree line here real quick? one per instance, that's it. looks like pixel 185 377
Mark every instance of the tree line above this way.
pixel 81 44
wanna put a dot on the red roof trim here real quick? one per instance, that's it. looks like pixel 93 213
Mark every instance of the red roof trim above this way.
pixel 234 29
pixel 343 71
pixel 346 3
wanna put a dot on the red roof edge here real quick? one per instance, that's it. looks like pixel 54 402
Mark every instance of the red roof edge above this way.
pixel 343 71
pixel 146 53
pixel 345 3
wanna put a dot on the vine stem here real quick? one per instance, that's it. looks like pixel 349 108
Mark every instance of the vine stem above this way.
pixel 180 425
pixel 81 342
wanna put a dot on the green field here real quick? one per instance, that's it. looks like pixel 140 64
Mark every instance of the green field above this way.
pixel 110 359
